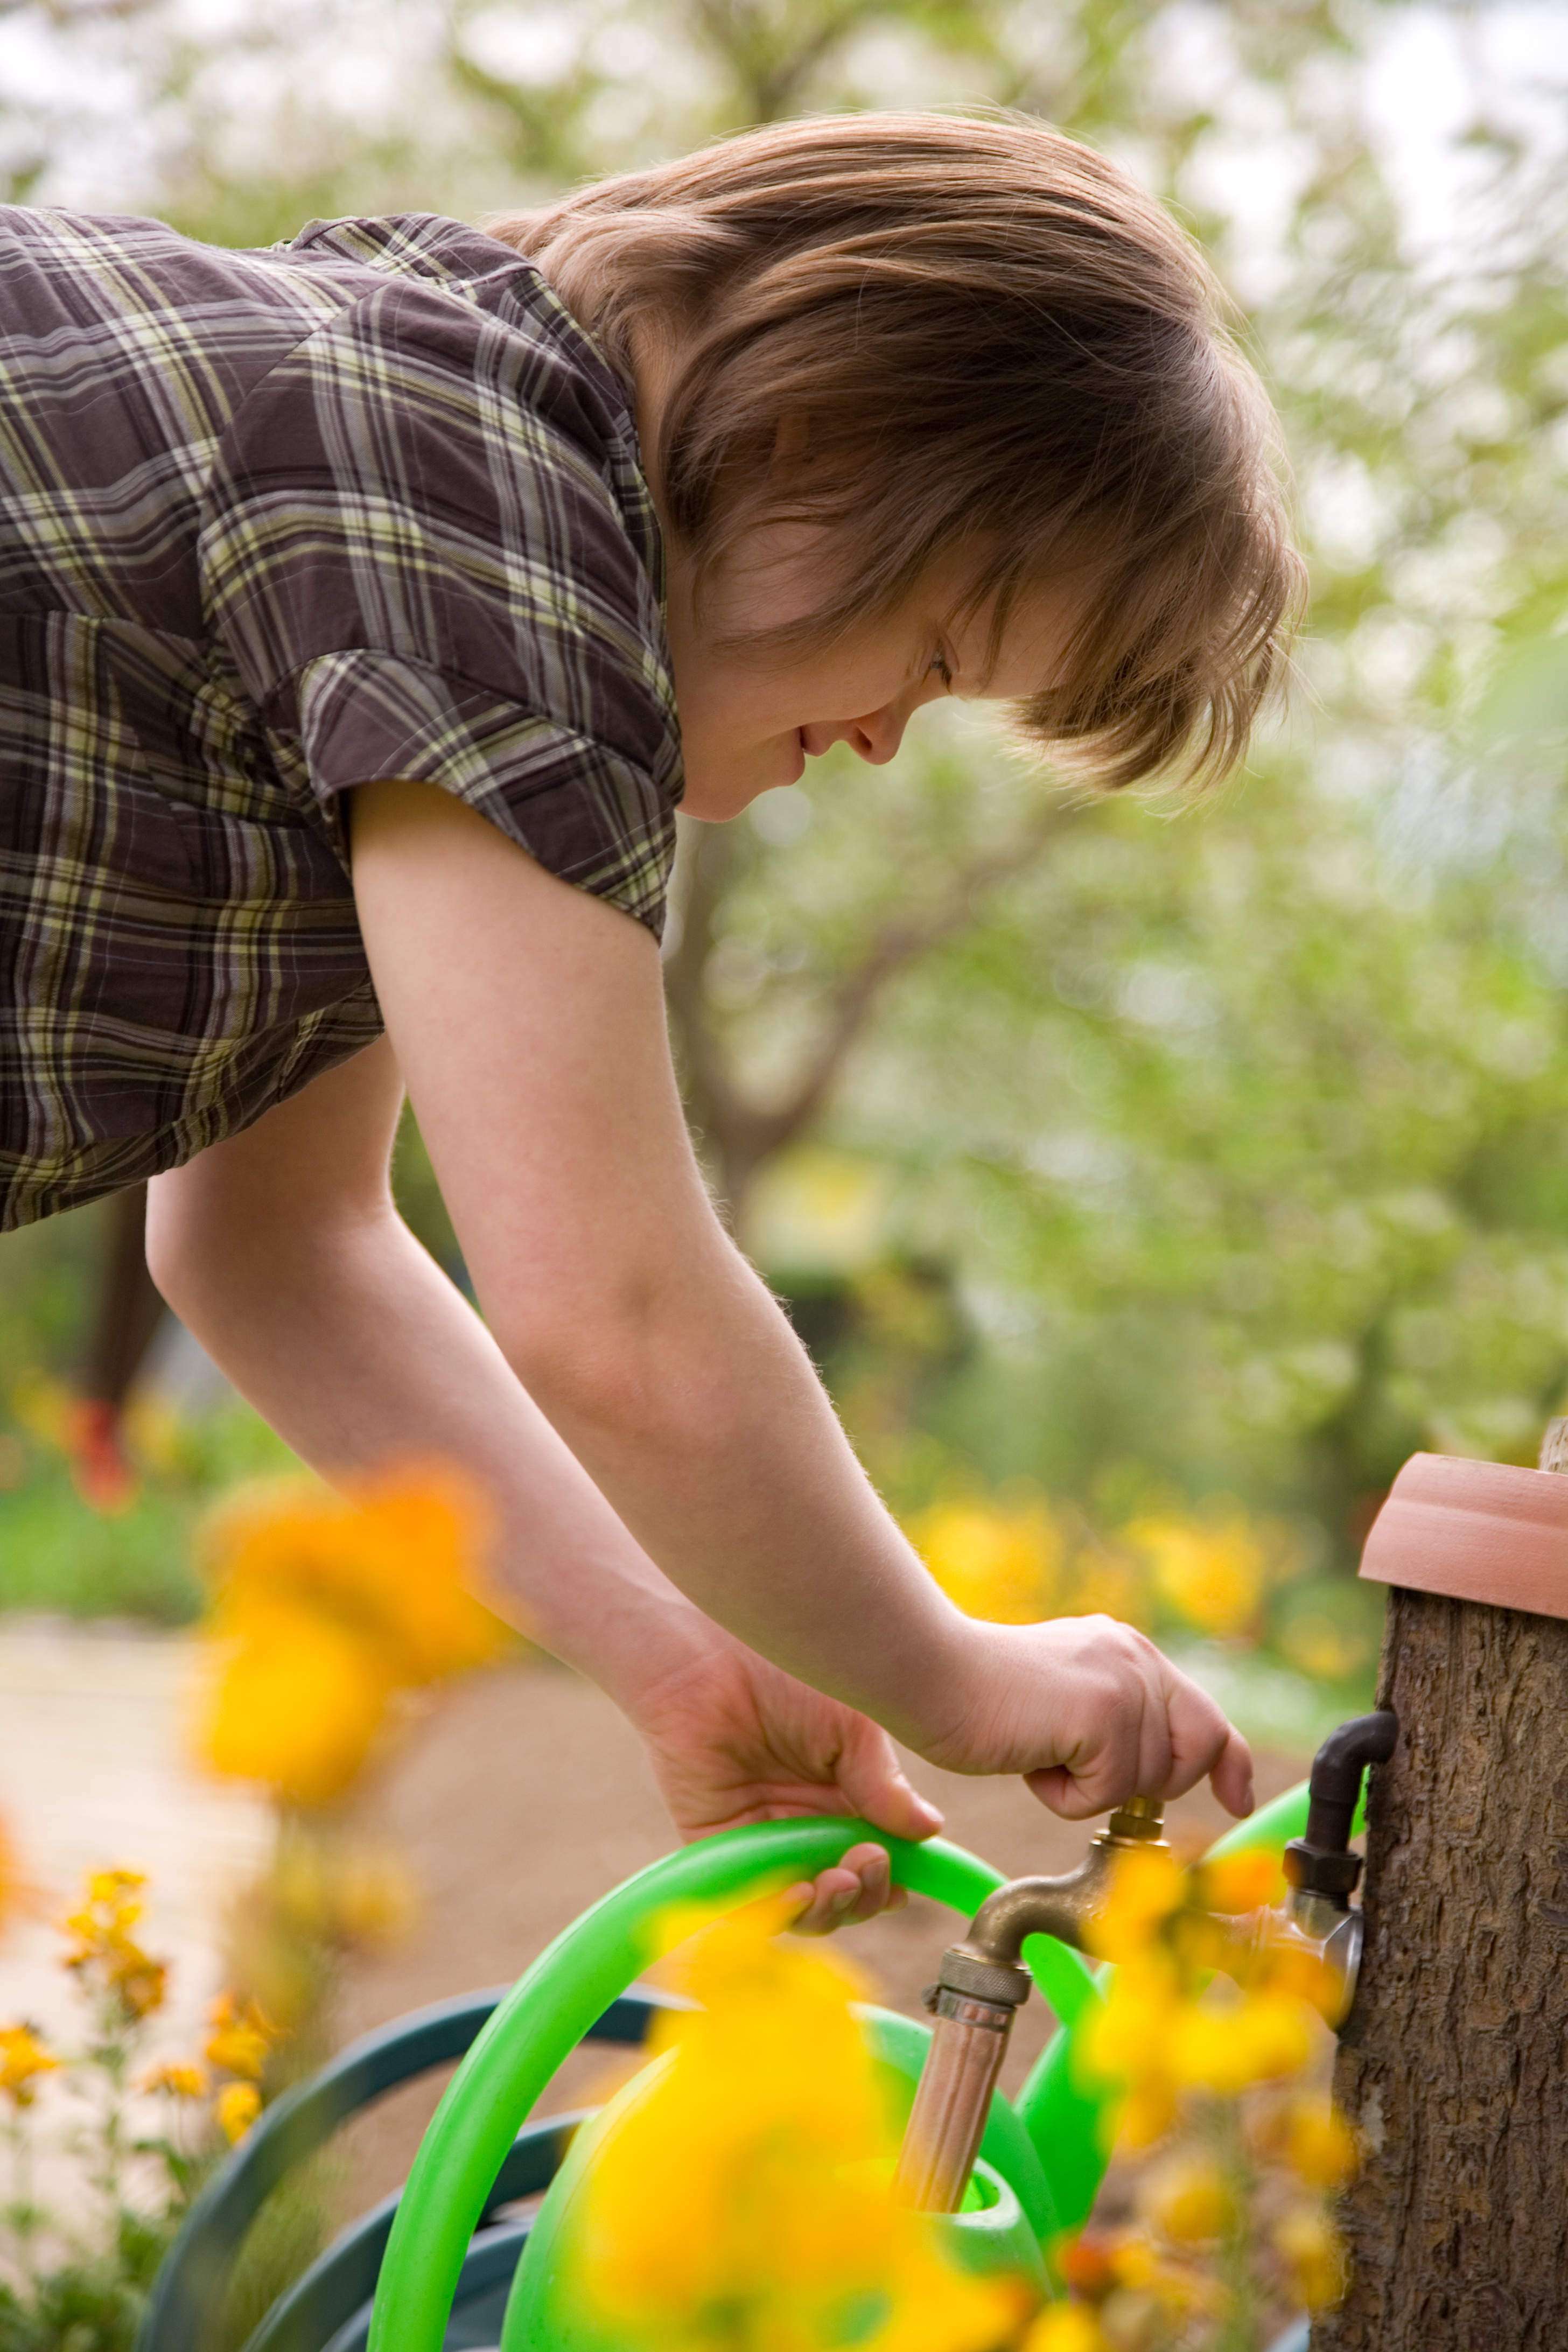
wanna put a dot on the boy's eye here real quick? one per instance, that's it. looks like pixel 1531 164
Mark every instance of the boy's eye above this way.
pixel 940 664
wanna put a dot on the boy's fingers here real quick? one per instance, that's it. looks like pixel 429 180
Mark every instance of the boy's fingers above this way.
pixel 854 1889
pixel 826 1902
pixel 1155 1764
pixel 873 1874
pixel 1231 1779
pixel 1202 1746
pixel 1075 1801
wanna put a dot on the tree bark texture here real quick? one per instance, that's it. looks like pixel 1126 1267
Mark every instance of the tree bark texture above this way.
pixel 1454 2062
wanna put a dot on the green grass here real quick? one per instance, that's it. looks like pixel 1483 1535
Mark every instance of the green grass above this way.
pixel 59 1555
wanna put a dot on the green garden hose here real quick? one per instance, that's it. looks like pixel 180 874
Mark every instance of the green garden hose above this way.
pixel 553 2005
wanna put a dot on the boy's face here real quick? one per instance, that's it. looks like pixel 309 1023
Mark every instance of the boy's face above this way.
pixel 746 729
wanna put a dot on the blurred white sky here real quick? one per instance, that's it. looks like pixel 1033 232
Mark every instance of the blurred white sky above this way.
pixel 1433 77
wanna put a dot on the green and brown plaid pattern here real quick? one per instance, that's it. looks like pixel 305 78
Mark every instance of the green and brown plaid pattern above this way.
pixel 275 524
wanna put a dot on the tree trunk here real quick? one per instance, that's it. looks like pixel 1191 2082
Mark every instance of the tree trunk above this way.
pixel 1454 2064
pixel 127 1309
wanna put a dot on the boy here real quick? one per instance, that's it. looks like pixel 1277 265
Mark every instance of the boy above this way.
pixel 366 607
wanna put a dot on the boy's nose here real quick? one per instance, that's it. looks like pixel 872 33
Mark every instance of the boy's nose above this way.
pixel 874 738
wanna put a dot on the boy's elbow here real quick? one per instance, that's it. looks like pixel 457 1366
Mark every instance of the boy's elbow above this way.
pixel 585 1379
pixel 616 1379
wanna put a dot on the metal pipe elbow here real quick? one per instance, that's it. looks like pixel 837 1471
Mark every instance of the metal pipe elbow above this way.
pixel 1064 1908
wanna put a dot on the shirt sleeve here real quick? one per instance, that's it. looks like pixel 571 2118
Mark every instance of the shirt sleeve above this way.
pixel 430 556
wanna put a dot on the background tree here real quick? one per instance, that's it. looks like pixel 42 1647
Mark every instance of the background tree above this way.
pixel 1122 1151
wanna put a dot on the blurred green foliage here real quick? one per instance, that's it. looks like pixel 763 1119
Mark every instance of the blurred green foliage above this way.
pixel 1133 1153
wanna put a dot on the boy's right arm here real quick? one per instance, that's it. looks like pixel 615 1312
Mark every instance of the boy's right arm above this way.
pixel 283 1251
pixel 528 1018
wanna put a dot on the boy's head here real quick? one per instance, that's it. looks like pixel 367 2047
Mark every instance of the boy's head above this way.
pixel 918 353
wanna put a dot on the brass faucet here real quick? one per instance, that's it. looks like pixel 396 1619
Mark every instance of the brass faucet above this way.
pixel 1063 1907
pixel 980 1987
pixel 982 1983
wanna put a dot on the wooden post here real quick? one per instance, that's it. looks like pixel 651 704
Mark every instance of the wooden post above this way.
pixel 1454 2064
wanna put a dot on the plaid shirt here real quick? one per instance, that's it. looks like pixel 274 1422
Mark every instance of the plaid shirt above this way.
pixel 277 524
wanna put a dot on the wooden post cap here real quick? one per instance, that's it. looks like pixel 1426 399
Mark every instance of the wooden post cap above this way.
pixel 1474 1532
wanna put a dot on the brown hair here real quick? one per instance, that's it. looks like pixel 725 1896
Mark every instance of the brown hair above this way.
pixel 981 338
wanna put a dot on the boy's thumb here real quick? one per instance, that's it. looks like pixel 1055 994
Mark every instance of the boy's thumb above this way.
pixel 873 1781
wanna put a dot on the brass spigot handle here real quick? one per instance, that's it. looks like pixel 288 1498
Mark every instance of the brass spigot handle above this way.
pixel 1140 1821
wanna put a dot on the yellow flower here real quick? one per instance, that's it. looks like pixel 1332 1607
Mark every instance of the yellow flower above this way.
pixel 1065 2327
pixel 1163 2029
pixel 1240 1882
pixel 1188 2199
pixel 1315 2257
pixel 238 2104
pixel 22 2059
pixel 44 1407
pixel 1212 1573
pixel 996 1561
pixel 17 1891
pixel 392 1560
pixel 326 1605
pixel 343 1895
pixel 177 2079
pixel 111 1906
pixel 1147 2111
pixel 106 1958
pixel 1225 2049
pixel 1289 1968
pixel 296 1702
pixel 1147 1887
pixel 1318 2145
pixel 1108 1583
pixel 745 2198
pixel 242 2035
pixel 1130 2033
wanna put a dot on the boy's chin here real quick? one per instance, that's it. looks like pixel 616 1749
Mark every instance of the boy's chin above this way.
pixel 713 800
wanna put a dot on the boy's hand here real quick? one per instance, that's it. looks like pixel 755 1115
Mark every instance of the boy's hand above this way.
pixel 734 1740
pixel 1091 1713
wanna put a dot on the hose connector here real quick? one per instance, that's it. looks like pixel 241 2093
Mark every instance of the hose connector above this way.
pixel 1322 1863
pixel 1319 1868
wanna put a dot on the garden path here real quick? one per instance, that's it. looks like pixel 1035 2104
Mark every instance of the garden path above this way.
pixel 94 1773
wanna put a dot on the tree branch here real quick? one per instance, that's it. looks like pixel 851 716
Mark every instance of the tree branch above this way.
pixel 741 1135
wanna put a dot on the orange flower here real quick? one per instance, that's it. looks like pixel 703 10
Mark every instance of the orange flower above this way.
pixel 390 1562
pixel 17 1892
